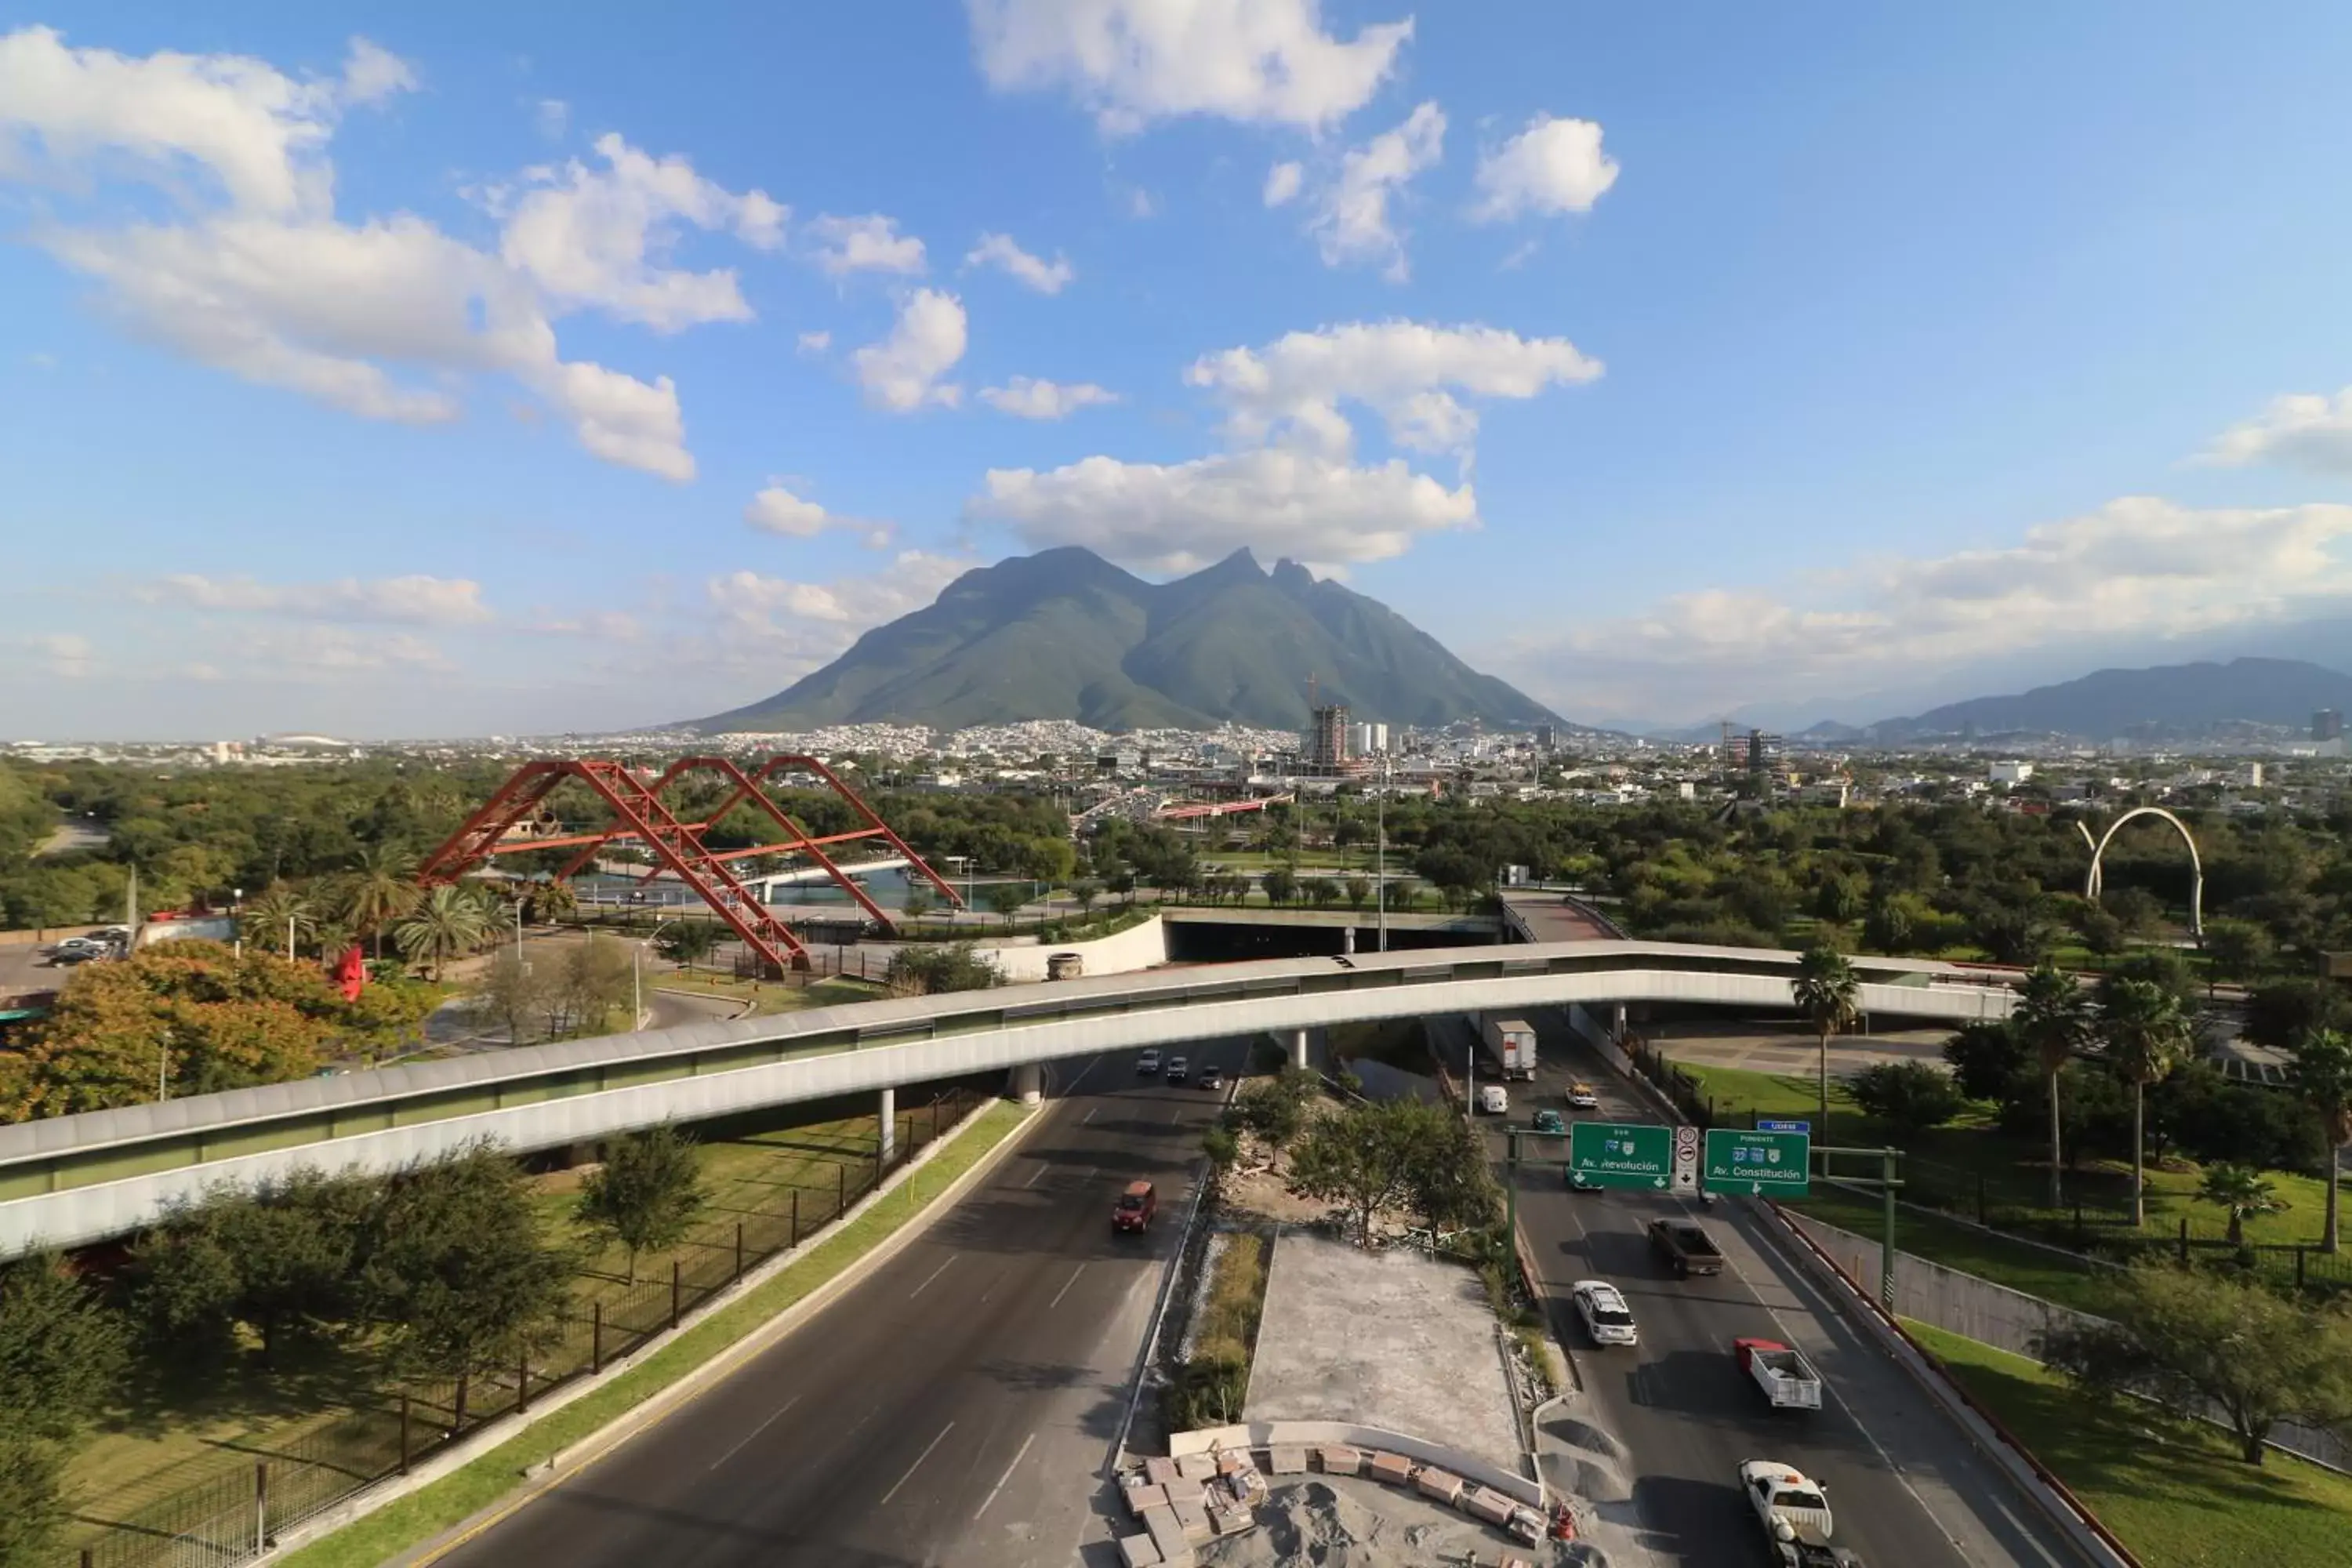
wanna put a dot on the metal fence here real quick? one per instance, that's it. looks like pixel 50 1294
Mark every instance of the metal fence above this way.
pixel 1995 1315
pixel 234 1515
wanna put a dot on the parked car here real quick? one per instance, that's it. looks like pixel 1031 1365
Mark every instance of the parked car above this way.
pixel 1135 1207
pixel 1607 1319
pixel 1212 1078
pixel 1581 1098
pixel 1178 1070
pixel 1148 1063
pixel 79 944
pixel 72 956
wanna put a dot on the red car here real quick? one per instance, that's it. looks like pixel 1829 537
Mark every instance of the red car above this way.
pixel 1135 1207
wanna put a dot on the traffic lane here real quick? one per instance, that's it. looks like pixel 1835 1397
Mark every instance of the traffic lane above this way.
pixel 1899 1473
pixel 790 1458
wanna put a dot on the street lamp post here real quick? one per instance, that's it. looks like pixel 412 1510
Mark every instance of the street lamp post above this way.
pixel 235 920
pixel 1380 852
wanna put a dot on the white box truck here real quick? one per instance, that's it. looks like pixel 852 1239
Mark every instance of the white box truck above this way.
pixel 1512 1042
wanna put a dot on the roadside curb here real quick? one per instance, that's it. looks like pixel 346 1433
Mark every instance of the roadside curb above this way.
pixel 534 1481
pixel 2018 1464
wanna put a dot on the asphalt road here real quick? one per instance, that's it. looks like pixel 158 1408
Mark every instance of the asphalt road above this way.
pixel 1906 1489
pixel 955 1408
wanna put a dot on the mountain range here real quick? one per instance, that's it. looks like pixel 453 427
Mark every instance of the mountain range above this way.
pixel 2181 698
pixel 1064 634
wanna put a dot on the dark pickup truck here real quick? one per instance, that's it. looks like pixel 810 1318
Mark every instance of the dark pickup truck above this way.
pixel 1689 1248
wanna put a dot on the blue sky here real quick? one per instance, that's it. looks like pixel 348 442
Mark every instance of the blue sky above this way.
pixel 426 370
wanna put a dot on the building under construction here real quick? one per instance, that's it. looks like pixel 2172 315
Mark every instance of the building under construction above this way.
pixel 1327 737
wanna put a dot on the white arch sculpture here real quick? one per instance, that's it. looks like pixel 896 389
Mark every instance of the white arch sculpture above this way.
pixel 2091 884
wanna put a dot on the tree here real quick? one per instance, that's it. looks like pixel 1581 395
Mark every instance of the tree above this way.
pixel 688 942
pixel 551 901
pixel 2190 1338
pixel 280 918
pixel 594 979
pixel 2137 910
pixel 1360 893
pixel 516 993
pixel 1909 1097
pixel 1005 899
pixel 2242 1193
pixel 2284 1010
pixel 1281 886
pixel 1221 1145
pixel 1121 881
pixel 1275 1111
pixel 2144 1033
pixel 380 891
pixel 1085 891
pixel 457 1274
pixel 2319 1070
pixel 917 904
pixel 280 1256
pixel 2239 950
pixel 928 969
pixel 1367 1156
pixel 1321 891
pixel 1890 924
pixel 1827 993
pixel 60 1355
pixel 2054 1021
pixel 449 920
pixel 647 1193
pixel 1985 1056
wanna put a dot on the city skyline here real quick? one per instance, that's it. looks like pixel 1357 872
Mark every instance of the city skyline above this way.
pixel 381 374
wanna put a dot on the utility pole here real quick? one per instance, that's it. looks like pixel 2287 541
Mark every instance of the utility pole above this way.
pixel 1380 852
pixel 164 1068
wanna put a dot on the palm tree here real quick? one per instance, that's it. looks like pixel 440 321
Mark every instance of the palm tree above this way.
pixel 552 901
pixel 280 915
pixel 1827 994
pixel 2054 1019
pixel 381 889
pixel 2320 1071
pixel 2145 1033
pixel 2243 1192
pixel 449 920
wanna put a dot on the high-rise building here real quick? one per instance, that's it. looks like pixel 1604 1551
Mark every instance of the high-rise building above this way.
pixel 2327 724
pixel 1764 751
pixel 1326 736
pixel 1548 737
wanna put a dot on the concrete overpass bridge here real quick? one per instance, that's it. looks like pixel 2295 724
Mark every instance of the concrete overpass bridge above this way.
pixel 70 1180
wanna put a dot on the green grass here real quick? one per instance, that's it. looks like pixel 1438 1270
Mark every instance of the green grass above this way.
pixel 2034 1270
pixel 2174 1490
pixel 1237 1292
pixel 431 1509
pixel 1741 1089
pixel 767 996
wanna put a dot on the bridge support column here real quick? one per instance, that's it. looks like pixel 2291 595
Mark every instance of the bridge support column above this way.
pixel 1028 1085
pixel 1295 1042
pixel 889 1124
pixel 1348 938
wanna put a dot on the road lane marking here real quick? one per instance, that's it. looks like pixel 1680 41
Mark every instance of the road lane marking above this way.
pixel 1002 1478
pixel 1064 1290
pixel 1040 1171
pixel 1089 1116
pixel 942 1269
pixel 762 1426
pixel 918 1463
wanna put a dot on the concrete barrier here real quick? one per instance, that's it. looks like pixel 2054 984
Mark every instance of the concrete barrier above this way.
pixel 1349 1434
pixel 1122 952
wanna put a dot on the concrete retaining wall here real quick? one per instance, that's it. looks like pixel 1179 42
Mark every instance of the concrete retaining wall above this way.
pixel 1122 952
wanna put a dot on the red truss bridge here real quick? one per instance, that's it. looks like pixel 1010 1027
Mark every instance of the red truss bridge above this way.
pixel 641 817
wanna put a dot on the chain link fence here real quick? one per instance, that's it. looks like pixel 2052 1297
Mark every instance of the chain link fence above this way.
pixel 232 1516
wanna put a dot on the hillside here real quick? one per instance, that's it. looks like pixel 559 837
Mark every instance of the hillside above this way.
pixel 2182 698
pixel 1064 634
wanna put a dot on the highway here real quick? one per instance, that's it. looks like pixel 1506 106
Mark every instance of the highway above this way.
pixel 1906 1489
pixel 955 1408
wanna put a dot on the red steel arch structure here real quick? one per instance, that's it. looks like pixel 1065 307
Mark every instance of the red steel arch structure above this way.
pixel 640 816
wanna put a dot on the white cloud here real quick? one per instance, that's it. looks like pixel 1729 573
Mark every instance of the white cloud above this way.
pixel 779 626
pixel 776 509
pixel 869 244
pixel 2139 566
pixel 70 655
pixel 1142 204
pixel 597 626
pixel 1026 397
pixel 1134 61
pixel 902 372
pixel 1552 166
pixel 1177 517
pixel 552 117
pixel 1408 373
pixel 2304 430
pixel 309 653
pixel 372 73
pixel 1351 214
pixel 417 599
pixel 1282 182
pixel 999 250
pixel 816 342
pixel 262 280
pixel 591 236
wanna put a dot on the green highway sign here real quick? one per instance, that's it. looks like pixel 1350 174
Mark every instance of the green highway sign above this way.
pixel 1605 1154
pixel 1759 1164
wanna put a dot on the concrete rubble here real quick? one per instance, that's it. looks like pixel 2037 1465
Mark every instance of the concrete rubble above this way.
pixel 1196 1509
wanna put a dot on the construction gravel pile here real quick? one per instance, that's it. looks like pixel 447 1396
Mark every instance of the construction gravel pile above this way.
pixel 1357 1524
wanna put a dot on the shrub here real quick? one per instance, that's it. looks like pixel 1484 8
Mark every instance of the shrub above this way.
pixel 1909 1097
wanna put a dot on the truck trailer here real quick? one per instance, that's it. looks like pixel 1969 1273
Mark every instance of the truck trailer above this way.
pixel 1512 1042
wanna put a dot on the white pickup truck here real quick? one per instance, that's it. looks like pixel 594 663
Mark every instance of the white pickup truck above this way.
pixel 1784 1374
pixel 1794 1514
